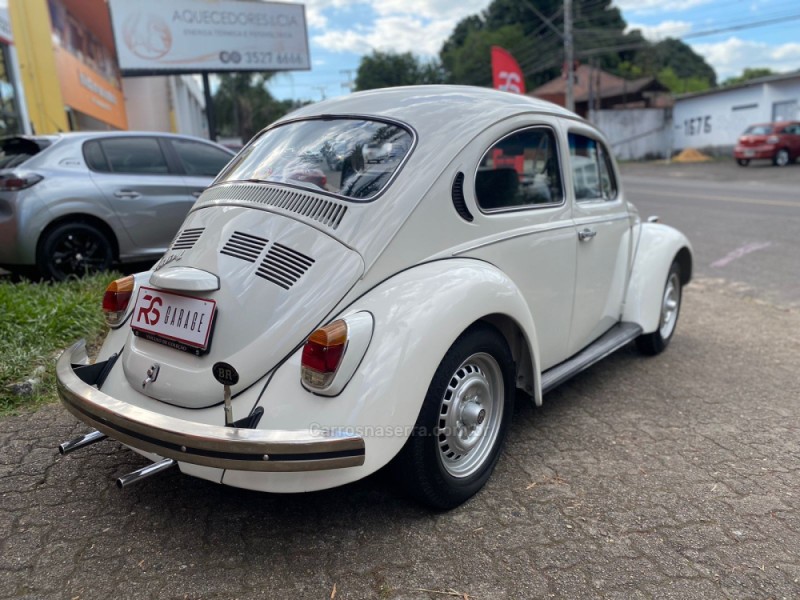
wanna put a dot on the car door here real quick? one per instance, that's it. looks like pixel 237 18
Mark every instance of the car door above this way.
pixel 145 189
pixel 602 236
pixel 519 190
pixel 201 162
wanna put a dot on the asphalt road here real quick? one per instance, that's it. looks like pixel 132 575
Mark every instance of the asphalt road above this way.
pixel 669 477
pixel 744 223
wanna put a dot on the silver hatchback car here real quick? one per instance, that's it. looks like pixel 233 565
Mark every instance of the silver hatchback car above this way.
pixel 77 202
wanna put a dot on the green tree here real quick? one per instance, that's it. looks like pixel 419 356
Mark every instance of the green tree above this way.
pixel 243 106
pixel 599 33
pixel 391 69
pixel 684 63
pixel 749 74
pixel 681 85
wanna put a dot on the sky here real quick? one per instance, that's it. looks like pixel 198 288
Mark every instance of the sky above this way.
pixel 341 31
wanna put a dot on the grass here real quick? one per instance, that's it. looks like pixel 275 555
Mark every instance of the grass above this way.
pixel 37 321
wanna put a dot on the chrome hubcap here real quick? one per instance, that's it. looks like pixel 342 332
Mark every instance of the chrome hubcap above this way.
pixel 670 306
pixel 470 414
pixel 783 158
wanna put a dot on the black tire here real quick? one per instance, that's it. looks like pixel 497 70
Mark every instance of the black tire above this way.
pixel 781 158
pixel 742 162
pixel 420 466
pixel 73 250
pixel 656 342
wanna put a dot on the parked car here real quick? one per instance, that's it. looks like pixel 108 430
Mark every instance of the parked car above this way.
pixel 778 142
pixel 78 202
pixel 295 338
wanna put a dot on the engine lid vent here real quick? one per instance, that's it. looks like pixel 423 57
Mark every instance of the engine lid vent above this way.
pixel 459 202
pixel 324 211
pixel 187 238
pixel 284 266
pixel 245 246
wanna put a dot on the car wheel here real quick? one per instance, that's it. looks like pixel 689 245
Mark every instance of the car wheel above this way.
pixel 655 343
pixel 74 250
pixel 781 158
pixel 742 162
pixel 463 421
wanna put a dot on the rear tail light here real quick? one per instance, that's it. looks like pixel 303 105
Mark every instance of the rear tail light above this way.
pixel 13 182
pixel 322 354
pixel 116 300
pixel 332 353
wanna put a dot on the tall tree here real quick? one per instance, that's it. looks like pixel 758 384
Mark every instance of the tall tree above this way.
pixel 390 69
pixel 749 74
pixel 243 105
pixel 530 30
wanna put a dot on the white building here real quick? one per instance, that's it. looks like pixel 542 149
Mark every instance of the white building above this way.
pixel 714 119
pixel 173 104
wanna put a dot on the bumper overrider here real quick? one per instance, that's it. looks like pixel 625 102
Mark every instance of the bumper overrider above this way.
pixel 198 443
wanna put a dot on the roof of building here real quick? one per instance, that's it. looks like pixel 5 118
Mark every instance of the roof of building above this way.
pixel 604 84
pixel 749 83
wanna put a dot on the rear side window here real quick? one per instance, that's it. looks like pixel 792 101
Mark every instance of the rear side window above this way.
pixel 136 156
pixel 94 157
pixel 198 158
pixel 758 130
pixel 519 171
pixel 15 151
pixel 592 175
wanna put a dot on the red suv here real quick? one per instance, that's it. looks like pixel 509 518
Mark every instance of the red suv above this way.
pixel 779 142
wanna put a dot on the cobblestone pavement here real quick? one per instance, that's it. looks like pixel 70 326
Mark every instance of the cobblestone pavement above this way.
pixel 672 477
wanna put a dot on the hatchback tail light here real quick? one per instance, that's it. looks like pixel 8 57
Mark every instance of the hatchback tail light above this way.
pixel 116 299
pixel 12 182
pixel 332 353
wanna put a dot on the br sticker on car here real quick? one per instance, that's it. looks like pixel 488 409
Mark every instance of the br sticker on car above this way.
pixel 181 322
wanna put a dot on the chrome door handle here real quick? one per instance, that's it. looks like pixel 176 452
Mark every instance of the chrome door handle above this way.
pixel 127 194
pixel 586 235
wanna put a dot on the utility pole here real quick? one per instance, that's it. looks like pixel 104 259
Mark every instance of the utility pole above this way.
pixel 569 55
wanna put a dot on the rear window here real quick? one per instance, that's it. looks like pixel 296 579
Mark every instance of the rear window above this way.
pixel 354 158
pixel 15 151
pixel 758 130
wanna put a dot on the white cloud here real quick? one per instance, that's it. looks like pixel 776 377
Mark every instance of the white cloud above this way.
pixel 418 26
pixel 665 29
pixel 395 33
pixel 731 57
pixel 651 6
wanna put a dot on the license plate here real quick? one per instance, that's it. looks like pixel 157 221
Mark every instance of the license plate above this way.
pixel 749 152
pixel 181 322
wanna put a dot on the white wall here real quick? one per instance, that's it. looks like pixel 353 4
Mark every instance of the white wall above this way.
pixel 717 120
pixel 635 133
pixel 171 104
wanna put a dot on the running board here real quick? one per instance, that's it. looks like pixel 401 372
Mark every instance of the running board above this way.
pixel 611 341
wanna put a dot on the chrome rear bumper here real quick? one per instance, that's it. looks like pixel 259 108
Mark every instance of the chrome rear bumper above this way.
pixel 199 443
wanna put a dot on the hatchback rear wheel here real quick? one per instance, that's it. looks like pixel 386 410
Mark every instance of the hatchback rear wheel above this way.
pixel 74 250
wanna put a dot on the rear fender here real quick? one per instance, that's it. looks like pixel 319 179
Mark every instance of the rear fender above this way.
pixel 418 315
pixel 659 245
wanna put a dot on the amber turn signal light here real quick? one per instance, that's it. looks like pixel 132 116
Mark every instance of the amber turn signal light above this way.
pixel 322 354
pixel 116 299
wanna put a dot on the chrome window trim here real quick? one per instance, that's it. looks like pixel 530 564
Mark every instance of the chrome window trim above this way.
pixel 495 211
pixel 330 117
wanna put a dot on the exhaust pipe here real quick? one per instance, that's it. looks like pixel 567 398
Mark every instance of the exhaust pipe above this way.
pixel 144 472
pixel 80 442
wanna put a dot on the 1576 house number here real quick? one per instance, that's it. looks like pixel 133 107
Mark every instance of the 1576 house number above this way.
pixel 697 125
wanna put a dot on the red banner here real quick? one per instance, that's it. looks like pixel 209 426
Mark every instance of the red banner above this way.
pixel 506 72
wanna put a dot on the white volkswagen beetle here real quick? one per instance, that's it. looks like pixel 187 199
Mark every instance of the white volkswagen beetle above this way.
pixel 369 282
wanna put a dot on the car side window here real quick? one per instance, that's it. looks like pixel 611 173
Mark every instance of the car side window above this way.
pixel 198 158
pixel 592 174
pixel 95 159
pixel 135 155
pixel 521 170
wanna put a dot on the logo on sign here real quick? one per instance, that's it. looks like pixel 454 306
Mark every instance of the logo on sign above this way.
pixel 510 82
pixel 150 313
pixel 147 36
